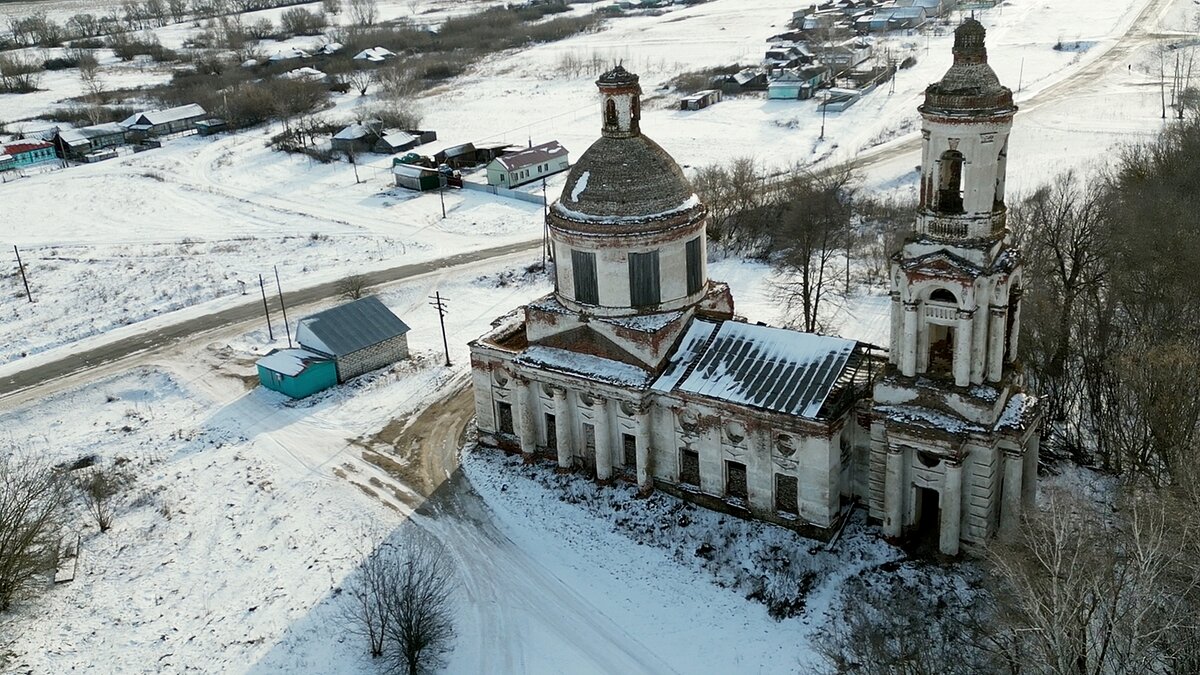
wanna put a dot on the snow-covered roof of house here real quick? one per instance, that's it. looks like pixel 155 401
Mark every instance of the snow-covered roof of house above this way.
pixel 290 362
pixel 5 158
pixel 397 138
pixel 353 132
pixel 588 366
pixel 290 53
pixel 412 170
pixel 350 327
pixel 165 116
pixel 775 369
pixel 84 135
pixel 305 73
pixel 537 154
pixel 330 48
pixel 374 54
pixel 459 150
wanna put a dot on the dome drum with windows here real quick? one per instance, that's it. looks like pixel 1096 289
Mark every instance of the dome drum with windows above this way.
pixel 628 230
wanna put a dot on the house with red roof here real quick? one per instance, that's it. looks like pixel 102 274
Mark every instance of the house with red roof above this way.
pixel 26 153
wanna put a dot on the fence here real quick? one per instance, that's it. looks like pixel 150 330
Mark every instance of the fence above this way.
pixel 504 192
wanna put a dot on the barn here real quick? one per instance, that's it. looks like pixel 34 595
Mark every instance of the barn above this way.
pixel 296 372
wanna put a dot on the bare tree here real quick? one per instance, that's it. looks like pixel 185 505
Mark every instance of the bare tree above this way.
pixel 352 287
pixel 363 12
pixel 32 499
pixel 805 229
pixel 18 74
pixel 98 489
pixel 400 602
pixel 361 80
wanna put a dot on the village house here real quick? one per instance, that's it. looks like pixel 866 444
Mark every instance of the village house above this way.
pixel 296 372
pixel 747 79
pixel 77 144
pixel 392 142
pixel 28 153
pixel 155 123
pixel 635 367
pixel 891 18
pixel 358 136
pixel 528 165
pixel 797 84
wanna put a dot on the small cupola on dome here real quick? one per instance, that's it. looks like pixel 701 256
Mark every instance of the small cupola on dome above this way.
pixel 624 182
pixel 621 97
pixel 970 87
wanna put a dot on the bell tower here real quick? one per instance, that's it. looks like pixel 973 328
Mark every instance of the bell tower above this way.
pixel 954 439
pixel 956 283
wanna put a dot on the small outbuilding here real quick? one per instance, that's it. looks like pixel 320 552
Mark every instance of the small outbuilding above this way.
pixel 296 372
pixel 417 177
pixel 700 99
pixel 358 137
pixel 457 156
pixel 358 336
pixel 528 165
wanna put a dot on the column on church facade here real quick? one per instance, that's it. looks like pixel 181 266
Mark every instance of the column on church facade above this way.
pixel 562 428
pixel 1015 308
pixel 897 318
pixel 951 508
pixel 979 335
pixel 962 348
pixel 642 435
pixel 908 362
pixel 604 447
pixel 995 355
pixel 526 417
pixel 893 493
pixel 1010 495
pixel 1029 477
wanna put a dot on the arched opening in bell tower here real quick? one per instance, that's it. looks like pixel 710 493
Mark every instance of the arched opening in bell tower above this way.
pixel 610 114
pixel 940 361
pixel 1010 326
pixel 950 175
pixel 1001 172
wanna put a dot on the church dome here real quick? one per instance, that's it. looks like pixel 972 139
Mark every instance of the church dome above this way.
pixel 970 87
pixel 624 183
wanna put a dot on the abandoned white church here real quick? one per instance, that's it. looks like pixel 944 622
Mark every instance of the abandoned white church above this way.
pixel 638 368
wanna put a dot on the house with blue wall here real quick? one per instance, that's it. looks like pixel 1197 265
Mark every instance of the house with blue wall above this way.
pixel 29 153
pixel 297 372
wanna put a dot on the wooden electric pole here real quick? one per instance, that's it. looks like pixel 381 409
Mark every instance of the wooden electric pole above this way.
pixel 263 287
pixel 440 303
pixel 24 279
pixel 283 307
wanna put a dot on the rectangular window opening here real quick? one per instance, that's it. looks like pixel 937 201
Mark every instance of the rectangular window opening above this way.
pixel 643 279
pixel 504 417
pixel 629 453
pixel 695 267
pixel 786 499
pixel 735 480
pixel 551 432
pixel 583 269
pixel 689 467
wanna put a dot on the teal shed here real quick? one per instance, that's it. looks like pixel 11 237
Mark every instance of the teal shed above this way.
pixel 297 372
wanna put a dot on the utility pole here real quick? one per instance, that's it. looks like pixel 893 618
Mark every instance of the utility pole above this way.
pixel 440 303
pixel 1021 75
pixel 21 266
pixel 824 105
pixel 283 307
pixel 263 287
pixel 442 194
pixel 545 227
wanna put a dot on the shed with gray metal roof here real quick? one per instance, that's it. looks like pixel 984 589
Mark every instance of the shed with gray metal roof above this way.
pixel 359 336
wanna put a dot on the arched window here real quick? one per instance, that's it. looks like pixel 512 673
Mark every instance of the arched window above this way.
pixel 610 113
pixel 950 197
pixel 943 295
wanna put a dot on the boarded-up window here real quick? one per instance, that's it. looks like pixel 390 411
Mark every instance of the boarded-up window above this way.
pixel 629 453
pixel 583 265
pixel 785 494
pixel 643 279
pixel 735 480
pixel 551 432
pixel 689 467
pixel 504 417
pixel 695 271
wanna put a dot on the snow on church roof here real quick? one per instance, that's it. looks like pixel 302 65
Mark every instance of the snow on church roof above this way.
pixel 587 365
pixel 776 369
